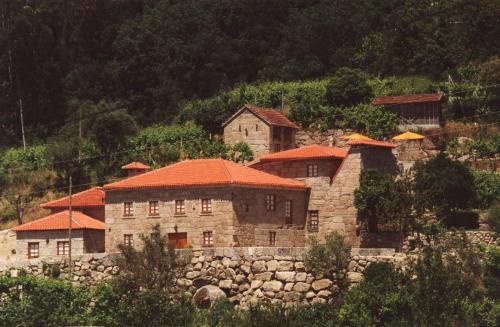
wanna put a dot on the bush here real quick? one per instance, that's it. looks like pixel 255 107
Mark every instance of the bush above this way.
pixel 442 186
pixel 487 187
pixel 493 218
pixel 347 87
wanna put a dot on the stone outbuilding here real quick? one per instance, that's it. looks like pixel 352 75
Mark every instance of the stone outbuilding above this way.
pixel 135 168
pixel 49 237
pixel 207 202
pixel 265 130
pixel 90 202
pixel 414 110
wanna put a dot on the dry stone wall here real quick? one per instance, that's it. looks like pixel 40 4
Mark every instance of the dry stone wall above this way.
pixel 246 275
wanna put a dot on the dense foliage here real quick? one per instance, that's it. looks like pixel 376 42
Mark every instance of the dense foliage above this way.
pixel 153 54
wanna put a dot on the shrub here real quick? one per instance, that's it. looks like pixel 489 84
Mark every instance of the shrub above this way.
pixel 347 87
pixel 493 218
pixel 442 186
pixel 329 258
pixel 487 187
pixel 462 219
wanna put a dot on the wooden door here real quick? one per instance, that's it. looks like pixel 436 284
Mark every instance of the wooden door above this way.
pixel 177 240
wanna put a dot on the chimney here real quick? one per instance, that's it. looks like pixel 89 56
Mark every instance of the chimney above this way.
pixel 135 168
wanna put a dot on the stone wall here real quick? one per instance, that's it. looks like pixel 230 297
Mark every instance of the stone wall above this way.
pixel 236 212
pixel 249 128
pixel 246 275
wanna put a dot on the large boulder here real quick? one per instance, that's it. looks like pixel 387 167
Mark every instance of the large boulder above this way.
pixel 206 296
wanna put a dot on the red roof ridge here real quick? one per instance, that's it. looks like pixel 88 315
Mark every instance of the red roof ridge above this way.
pixel 408 98
pixel 60 221
pixel 205 173
pixel 314 151
pixel 136 165
pixel 270 116
pixel 91 197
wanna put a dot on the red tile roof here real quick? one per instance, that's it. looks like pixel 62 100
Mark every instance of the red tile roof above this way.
pixel 408 98
pixel 205 172
pixel 307 152
pixel 372 143
pixel 93 197
pixel 270 116
pixel 136 165
pixel 60 221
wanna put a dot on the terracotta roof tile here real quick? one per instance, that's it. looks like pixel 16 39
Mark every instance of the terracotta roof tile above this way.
pixel 270 116
pixel 60 221
pixel 408 98
pixel 205 172
pixel 375 143
pixel 307 152
pixel 93 197
pixel 136 165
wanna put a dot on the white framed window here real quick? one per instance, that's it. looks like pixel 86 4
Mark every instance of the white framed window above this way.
pixel 272 238
pixel 313 220
pixel 288 212
pixel 208 238
pixel 33 250
pixel 154 208
pixel 63 248
pixel 128 209
pixel 206 205
pixel 128 239
pixel 270 202
pixel 312 170
pixel 180 207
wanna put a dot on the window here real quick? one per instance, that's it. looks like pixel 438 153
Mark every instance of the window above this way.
pixel 272 238
pixel 246 207
pixel 206 205
pixel 312 170
pixel 63 248
pixel 180 208
pixel 256 127
pixel 128 239
pixel 208 238
pixel 246 132
pixel 313 221
pixel 128 209
pixel 270 202
pixel 288 212
pixel 277 133
pixel 239 128
pixel 33 250
pixel 277 148
pixel 154 208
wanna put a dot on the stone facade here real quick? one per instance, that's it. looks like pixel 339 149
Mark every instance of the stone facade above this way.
pixel 261 137
pixel 238 217
pixel 83 241
pixel 320 196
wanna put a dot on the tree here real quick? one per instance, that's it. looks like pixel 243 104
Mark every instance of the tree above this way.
pixel 153 267
pixel 381 199
pixel 329 258
pixel 347 87
pixel 22 185
pixel 442 186
pixel 241 152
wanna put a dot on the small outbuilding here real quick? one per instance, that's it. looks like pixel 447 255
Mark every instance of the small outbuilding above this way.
pixel 48 237
pixel 414 110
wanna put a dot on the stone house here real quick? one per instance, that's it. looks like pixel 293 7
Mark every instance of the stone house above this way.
pixel 265 130
pixel 48 237
pixel 333 175
pixel 135 168
pixel 204 203
pixel 414 110
pixel 89 202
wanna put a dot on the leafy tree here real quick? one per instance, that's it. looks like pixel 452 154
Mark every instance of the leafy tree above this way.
pixel 330 257
pixel 153 267
pixel 487 189
pixel 493 218
pixel 442 186
pixel 383 200
pixel 347 87
pixel 241 152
